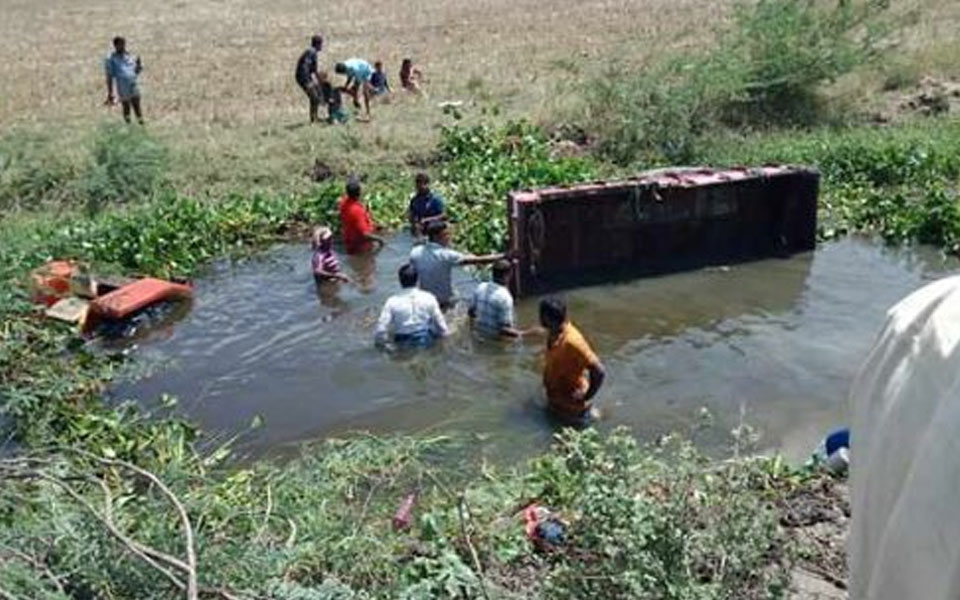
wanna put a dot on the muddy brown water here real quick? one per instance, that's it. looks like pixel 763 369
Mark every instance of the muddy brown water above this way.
pixel 774 343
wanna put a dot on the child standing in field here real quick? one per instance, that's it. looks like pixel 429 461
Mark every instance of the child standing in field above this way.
pixel 324 263
pixel 124 69
pixel 333 98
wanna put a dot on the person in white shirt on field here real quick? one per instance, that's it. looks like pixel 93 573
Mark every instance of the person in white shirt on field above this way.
pixel 411 318
pixel 434 261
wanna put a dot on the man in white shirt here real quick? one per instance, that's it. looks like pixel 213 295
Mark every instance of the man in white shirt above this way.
pixel 412 318
pixel 434 262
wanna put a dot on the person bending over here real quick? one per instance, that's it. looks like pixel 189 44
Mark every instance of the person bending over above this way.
pixel 333 98
pixel 358 73
pixel 572 373
pixel 411 318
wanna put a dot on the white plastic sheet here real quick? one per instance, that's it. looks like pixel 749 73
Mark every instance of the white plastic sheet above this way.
pixel 905 536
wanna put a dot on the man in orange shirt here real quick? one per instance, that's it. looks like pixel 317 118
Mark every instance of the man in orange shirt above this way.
pixel 356 226
pixel 572 373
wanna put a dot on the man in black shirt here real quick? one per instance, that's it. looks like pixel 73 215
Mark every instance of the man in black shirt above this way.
pixel 306 74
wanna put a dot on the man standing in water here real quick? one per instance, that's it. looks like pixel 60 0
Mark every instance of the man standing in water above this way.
pixel 572 373
pixel 434 262
pixel 124 69
pixel 425 205
pixel 356 225
pixel 491 306
pixel 412 317
pixel 307 77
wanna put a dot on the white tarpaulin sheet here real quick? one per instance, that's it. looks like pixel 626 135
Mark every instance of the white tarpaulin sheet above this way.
pixel 905 536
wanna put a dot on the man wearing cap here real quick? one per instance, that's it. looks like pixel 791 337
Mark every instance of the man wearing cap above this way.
pixel 434 262
pixel 306 74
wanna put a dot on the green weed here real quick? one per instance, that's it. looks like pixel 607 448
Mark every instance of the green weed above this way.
pixel 118 164
pixel 768 68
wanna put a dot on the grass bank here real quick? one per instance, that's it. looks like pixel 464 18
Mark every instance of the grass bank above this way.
pixel 84 514
pixel 657 521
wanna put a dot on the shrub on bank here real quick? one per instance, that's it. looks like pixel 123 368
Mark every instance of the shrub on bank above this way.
pixel 659 521
pixel 119 164
pixel 767 68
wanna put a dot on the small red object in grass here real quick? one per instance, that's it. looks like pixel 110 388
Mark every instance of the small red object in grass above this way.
pixel 403 518
pixel 531 518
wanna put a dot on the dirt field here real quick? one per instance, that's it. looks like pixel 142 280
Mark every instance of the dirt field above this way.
pixel 218 79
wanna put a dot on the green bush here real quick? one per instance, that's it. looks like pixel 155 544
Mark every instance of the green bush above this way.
pixel 119 164
pixel 768 67
pixel 32 173
pixel 127 164
pixel 658 522
pixel 480 165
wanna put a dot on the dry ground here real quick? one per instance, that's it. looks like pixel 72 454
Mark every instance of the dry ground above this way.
pixel 218 79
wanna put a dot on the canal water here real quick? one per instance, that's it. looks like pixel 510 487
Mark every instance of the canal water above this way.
pixel 774 344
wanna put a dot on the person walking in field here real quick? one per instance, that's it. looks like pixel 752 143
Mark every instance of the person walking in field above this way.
pixel 356 224
pixel 307 74
pixel 358 73
pixel 434 262
pixel 123 73
pixel 572 373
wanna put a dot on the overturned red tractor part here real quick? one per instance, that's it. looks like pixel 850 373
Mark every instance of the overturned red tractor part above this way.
pixel 658 222
pixel 128 300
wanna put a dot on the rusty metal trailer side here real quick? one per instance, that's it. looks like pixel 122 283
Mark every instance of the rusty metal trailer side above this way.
pixel 659 222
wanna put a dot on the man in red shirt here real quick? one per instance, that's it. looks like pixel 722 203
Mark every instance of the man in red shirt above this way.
pixel 356 226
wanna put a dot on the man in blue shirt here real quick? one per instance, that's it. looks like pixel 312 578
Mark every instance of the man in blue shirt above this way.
pixel 307 76
pixel 425 206
pixel 124 69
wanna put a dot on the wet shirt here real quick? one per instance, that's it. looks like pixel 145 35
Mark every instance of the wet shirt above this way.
pixel 426 205
pixel 306 66
pixel 122 68
pixel 566 362
pixel 492 306
pixel 324 261
pixel 434 264
pixel 411 313
pixel 355 225
pixel 358 69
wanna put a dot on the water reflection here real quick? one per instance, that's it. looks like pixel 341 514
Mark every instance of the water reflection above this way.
pixel 778 339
